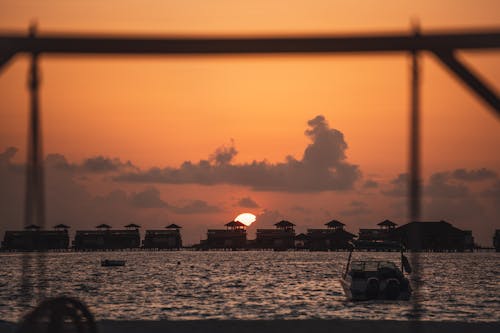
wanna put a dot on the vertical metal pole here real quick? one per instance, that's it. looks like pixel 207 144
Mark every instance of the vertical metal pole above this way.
pixel 415 188
pixel 35 196
pixel 415 183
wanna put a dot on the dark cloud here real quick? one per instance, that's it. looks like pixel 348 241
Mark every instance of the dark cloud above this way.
pixel 474 175
pixel 195 207
pixel 441 184
pixel 493 191
pixel 356 208
pixel 224 155
pixel 7 155
pixel 464 210
pixel 370 184
pixel 247 202
pixel 323 167
pixel 268 218
pixel 398 187
pixel 101 164
pixel 300 209
pixel 149 198
pixel 6 163
pixel 450 196
pixel 58 161
pixel 97 164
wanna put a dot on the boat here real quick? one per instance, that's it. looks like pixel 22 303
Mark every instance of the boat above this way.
pixel 376 279
pixel 110 263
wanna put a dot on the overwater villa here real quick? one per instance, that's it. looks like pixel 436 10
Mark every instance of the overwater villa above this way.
pixel 378 239
pixel 168 238
pixel 104 238
pixel 233 237
pixel 433 236
pixel 281 238
pixel 334 237
pixel 33 238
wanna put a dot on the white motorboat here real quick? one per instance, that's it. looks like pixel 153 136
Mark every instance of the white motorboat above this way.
pixel 376 279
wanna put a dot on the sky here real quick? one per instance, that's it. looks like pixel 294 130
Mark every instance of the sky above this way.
pixel 197 140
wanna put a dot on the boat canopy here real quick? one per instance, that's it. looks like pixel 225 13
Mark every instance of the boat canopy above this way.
pixel 371 266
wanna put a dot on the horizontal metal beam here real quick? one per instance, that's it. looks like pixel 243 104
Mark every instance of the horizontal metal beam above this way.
pixel 471 79
pixel 79 44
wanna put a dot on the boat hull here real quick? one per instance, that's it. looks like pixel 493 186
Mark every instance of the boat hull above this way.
pixel 358 292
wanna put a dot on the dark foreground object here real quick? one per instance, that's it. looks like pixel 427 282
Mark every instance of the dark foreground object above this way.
pixel 287 326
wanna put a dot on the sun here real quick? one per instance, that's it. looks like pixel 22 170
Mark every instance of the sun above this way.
pixel 246 218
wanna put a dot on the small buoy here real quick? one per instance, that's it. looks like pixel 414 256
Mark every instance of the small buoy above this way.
pixel 178 263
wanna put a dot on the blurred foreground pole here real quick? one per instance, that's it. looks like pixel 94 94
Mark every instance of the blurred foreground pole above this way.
pixel 415 182
pixel 35 199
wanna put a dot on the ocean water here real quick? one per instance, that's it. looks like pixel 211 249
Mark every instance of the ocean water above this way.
pixel 250 285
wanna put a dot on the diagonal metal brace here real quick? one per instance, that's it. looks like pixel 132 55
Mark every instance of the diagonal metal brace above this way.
pixel 471 79
pixel 5 56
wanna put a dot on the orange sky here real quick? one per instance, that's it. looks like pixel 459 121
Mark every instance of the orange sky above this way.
pixel 158 111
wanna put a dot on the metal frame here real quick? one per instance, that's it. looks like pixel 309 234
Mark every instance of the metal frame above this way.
pixel 442 44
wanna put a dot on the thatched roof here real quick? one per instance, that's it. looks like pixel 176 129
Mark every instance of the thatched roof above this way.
pixel 103 226
pixel 61 226
pixel 32 227
pixel 334 224
pixel 173 226
pixel 387 223
pixel 132 225
pixel 284 224
pixel 235 224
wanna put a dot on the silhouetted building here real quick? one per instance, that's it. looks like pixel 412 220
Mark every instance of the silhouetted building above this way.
pixel 433 236
pixel 169 238
pixel 33 239
pixel 332 238
pixel 301 242
pixel 281 238
pixel 496 240
pixel 233 237
pixel 380 234
pixel 378 239
pixel 104 238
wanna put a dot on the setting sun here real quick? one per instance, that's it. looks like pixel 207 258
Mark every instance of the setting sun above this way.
pixel 245 218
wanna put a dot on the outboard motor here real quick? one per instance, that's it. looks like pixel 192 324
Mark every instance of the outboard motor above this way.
pixel 392 289
pixel 372 288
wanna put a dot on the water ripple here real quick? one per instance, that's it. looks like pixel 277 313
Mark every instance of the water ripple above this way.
pixel 252 285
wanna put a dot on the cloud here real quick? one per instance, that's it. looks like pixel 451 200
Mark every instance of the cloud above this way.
pixel 58 161
pixel 195 207
pixel 493 191
pixel 323 167
pixel 370 184
pixel 224 155
pixel 300 209
pixel 101 164
pixel 462 210
pixel 149 198
pixel 474 175
pixel 7 156
pixel 247 202
pixel 356 208
pixel 441 184
pixel 268 218
pixel 98 164
pixel 398 186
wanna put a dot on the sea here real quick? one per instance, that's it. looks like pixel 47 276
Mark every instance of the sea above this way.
pixel 260 285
